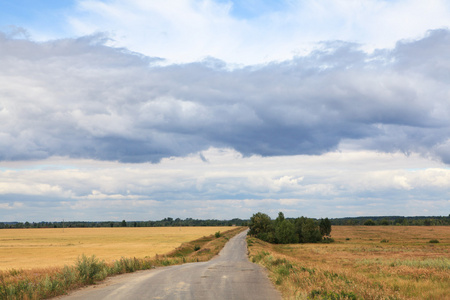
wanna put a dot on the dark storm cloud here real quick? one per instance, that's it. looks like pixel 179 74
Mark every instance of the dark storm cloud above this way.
pixel 81 98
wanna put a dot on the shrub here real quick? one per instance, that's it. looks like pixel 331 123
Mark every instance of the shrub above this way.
pixel 384 241
pixel 91 269
pixel 283 270
pixel 129 265
pixel 217 234
pixel 259 256
pixel 330 295
pixel 434 241
pixel 68 276
pixel 327 240
pixel 369 222
pixel 196 247
pixel 50 286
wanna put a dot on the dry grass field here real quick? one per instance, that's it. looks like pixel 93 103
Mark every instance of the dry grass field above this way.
pixel 364 262
pixel 42 248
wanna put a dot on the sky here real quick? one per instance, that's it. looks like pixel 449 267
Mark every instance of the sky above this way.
pixel 216 109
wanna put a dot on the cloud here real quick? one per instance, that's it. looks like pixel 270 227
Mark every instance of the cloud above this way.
pixel 336 184
pixel 82 99
pixel 249 33
pixel 245 33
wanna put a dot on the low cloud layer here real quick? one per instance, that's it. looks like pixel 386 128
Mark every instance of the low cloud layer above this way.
pixel 82 99
pixel 337 184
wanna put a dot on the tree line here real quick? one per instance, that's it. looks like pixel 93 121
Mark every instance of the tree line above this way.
pixel 354 221
pixel 289 231
pixel 166 222
pixel 393 220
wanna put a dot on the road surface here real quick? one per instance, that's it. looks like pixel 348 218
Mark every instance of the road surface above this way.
pixel 228 276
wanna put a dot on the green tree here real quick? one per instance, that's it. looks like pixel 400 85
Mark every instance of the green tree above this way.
pixel 298 223
pixel 261 226
pixel 325 227
pixel 285 233
pixel 310 232
pixel 124 224
pixel 369 222
pixel 385 222
pixel 279 219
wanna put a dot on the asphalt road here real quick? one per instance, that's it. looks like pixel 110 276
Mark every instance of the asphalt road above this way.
pixel 228 276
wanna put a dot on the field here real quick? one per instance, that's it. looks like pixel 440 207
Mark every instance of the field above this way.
pixel 364 262
pixel 42 248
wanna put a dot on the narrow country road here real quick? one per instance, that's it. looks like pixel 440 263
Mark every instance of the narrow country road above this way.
pixel 228 276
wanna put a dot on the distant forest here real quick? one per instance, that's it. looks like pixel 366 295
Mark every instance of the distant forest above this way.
pixel 393 220
pixel 167 222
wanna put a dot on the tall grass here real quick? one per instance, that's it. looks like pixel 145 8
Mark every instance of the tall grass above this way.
pixel 440 263
pixel 46 283
pixel 358 266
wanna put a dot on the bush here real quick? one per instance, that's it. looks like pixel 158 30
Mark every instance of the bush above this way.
pixel 259 256
pixel 217 234
pixel 68 276
pixel 369 222
pixel 128 265
pixel 91 269
pixel 327 240
pixel 330 295
pixel 196 247
pixel 434 241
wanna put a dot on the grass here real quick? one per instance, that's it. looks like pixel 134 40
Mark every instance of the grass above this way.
pixel 53 281
pixel 357 266
pixel 55 247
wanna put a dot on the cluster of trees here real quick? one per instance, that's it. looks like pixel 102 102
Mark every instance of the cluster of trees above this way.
pixel 289 231
pixel 166 222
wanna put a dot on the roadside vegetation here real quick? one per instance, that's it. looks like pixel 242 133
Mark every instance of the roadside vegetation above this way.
pixel 364 262
pixel 50 282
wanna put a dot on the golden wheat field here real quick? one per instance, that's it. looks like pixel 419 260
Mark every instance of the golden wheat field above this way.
pixel 56 247
pixel 364 262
